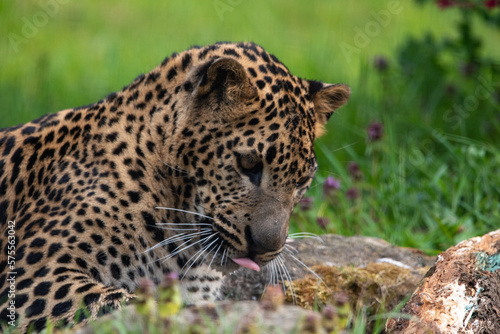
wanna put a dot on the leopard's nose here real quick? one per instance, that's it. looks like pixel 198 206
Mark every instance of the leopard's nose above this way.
pixel 257 246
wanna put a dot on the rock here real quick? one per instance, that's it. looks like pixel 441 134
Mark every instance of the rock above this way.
pixel 360 273
pixel 327 250
pixel 357 272
pixel 460 293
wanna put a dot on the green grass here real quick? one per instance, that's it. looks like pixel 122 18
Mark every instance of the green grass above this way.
pixel 426 184
pixel 413 197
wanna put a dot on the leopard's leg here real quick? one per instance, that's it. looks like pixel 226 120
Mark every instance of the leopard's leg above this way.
pixel 71 298
pixel 200 284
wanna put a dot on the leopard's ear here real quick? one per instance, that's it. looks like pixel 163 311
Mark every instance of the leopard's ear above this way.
pixel 327 98
pixel 223 84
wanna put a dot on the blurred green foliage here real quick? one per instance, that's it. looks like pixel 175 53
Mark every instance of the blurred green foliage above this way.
pixel 430 181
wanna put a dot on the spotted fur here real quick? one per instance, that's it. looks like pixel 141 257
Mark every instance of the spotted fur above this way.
pixel 223 134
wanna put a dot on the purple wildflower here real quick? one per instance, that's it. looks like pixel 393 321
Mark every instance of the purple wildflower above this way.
pixel 450 89
pixel 468 69
pixel 380 63
pixel 331 184
pixel 146 286
pixel 375 131
pixel 352 193
pixel 173 275
pixel 443 4
pixel 329 312
pixel 490 4
pixel 354 171
pixel 306 203
pixel 323 222
pixel 341 298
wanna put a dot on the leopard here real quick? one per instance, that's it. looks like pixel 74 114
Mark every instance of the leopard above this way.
pixel 193 169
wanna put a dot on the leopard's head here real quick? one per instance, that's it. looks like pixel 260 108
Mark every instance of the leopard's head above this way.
pixel 245 137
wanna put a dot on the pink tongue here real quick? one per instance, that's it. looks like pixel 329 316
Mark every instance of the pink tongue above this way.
pixel 247 263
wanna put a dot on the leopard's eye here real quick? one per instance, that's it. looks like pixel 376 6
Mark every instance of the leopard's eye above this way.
pixel 303 181
pixel 251 166
pixel 248 161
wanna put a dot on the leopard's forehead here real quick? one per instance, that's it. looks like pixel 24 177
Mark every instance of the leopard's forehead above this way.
pixel 251 55
pixel 281 125
pixel 273 80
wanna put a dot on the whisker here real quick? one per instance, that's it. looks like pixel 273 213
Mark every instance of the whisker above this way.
pixel 290 248
pixel 291 120
pixel 278 274
pixel 227 258
pixel 223 254
pixel 343 147
pixel 180 248
pixel 201 251
pixel 301 235
pixel 174 168
pixel 315 185
pixel 270 273
pixel 199 232
pixel 176 229
pixel 180 210
pixel 274 273
pixel 288 278
pixel 213 257
pixel 284 278
pixel 174 238
pixel 208 251
pixel 182 224
pixel 309 269
pixel 183 170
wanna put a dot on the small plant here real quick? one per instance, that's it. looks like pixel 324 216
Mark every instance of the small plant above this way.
pixel 423 172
